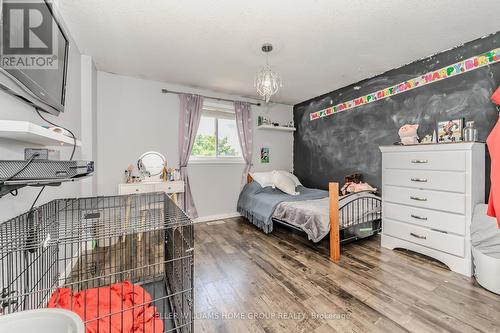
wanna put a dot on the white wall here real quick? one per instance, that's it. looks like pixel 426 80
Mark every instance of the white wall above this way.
pixel 89 121
pixel 134 117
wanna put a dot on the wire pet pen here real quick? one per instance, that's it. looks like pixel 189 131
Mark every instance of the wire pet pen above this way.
pixel 122 263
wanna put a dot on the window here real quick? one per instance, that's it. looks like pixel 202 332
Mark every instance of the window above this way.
pixel 217 137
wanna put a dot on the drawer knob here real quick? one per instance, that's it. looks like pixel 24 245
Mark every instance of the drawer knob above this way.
pixel 419 161
pixel 417 236
pixel 419 180
pixel 419 217
pixel 418 198
pixel 137 190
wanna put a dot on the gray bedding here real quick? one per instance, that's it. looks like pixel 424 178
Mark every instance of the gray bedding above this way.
pixel 312 216
pixel 485 235
pixel 257 204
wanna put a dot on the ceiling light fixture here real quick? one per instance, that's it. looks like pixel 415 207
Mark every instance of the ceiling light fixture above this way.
pixel 267 82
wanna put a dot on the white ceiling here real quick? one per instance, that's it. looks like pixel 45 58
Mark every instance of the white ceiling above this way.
pixel 321 45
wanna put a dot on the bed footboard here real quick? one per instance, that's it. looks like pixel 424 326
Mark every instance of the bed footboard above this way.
pixel 360 210
pixel 333 189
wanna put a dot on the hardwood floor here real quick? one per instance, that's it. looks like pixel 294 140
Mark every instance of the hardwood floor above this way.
pixel 246 281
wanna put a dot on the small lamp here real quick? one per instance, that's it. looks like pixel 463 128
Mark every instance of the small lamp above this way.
pixel 495 98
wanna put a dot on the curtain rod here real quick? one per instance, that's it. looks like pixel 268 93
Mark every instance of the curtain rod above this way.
pixel 165 91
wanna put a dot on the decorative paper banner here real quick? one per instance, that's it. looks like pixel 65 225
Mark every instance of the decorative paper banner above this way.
pixel 461 67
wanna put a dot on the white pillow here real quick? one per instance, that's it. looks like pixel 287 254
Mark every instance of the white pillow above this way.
pixel 265 179
pixel 284 183
pixel 291 175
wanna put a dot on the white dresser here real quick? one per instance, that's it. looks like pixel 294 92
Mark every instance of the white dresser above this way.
pixel 172 188
pixel 429 193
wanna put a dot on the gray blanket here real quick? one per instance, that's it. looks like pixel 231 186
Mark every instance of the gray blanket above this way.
pixel 313 216
pixel 257 204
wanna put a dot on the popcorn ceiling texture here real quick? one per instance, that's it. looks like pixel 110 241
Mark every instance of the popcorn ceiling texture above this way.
pixel 321 45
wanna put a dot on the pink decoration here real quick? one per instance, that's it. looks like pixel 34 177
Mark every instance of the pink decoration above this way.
pixel 408 134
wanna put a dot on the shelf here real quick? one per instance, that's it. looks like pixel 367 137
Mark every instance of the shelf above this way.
pixel 277 128
pixel 25 131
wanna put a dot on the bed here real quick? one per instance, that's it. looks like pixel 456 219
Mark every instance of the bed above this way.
pixel 315 212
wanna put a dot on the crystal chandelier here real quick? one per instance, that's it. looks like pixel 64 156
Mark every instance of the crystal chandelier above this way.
pixel 267 82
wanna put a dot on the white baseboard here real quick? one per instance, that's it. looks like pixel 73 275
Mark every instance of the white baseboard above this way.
pixel 216 217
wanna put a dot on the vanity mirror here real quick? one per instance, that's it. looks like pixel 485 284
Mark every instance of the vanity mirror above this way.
pixel 151 165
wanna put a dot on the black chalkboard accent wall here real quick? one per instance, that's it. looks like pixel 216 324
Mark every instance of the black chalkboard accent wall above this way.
pixel 332 147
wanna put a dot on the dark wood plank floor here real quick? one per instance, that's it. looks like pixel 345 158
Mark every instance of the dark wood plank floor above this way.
pixel 246 281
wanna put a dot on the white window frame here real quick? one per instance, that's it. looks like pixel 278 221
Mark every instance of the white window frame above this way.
pixel 214 108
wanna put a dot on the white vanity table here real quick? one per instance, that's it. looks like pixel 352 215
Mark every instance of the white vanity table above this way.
pixel 151 165
pixel 172 188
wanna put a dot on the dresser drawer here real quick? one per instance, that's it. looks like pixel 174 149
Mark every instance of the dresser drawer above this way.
pixel 428 160
pixel 170 187
pixel 432 239
pixel 135 188
pixel 445 201
pixel 425 179
pixel 426 218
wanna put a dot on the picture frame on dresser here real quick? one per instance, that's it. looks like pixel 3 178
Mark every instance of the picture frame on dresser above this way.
pixel 450 131
pixel 429 194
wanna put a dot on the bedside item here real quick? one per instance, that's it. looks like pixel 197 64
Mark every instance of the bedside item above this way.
pixel 470 132
pixel 408 134
pixel 430 192
pixel 450 130
pixel 151 165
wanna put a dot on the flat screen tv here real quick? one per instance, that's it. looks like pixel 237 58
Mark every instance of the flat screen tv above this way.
pixel 33 53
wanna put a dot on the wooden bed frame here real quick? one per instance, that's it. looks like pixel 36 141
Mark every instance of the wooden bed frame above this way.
pixel 333 189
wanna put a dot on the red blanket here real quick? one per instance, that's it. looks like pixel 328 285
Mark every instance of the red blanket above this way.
pixel 121 307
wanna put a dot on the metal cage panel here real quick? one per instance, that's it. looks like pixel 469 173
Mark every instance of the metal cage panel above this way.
pixel 84 252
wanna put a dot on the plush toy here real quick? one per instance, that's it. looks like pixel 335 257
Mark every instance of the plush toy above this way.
pixel 354 188
pixel 408 134
pixel 353 184
pixel 354 178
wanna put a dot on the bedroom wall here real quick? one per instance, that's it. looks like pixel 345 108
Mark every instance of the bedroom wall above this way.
pixel 340 144
pixel 12 108
pixel 135 117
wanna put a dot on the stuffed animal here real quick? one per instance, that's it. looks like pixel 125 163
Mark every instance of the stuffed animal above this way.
pixel 353 184
pixel 408 134
pixel 354 188
pixel 354 178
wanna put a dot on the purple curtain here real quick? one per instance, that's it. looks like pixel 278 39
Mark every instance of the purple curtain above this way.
pixel 189 120
pixel 245 135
